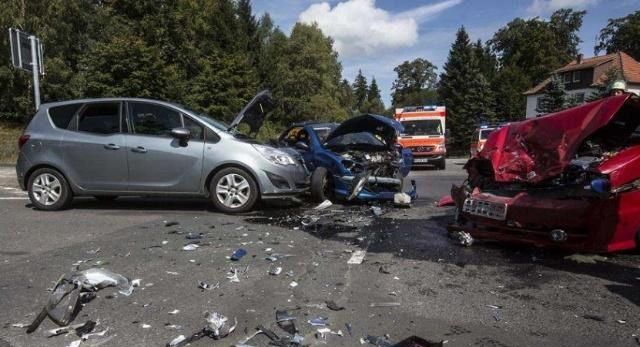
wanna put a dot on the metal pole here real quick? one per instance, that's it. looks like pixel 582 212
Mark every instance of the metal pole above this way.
pixel 35 69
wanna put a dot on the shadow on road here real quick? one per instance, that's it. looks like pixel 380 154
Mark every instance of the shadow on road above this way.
pixel 426 239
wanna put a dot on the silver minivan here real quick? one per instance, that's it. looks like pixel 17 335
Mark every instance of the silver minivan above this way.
pixel 138 147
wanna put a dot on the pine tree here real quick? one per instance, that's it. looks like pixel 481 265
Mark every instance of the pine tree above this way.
pixel 374 100
pixel 465 92
pixel 554 98
pixel 360 92
pixel 347 97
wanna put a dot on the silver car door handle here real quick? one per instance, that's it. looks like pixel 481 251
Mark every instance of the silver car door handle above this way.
pixel 112 146
pixel 139 149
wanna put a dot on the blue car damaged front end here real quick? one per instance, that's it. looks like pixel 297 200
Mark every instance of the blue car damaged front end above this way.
pixel 364 160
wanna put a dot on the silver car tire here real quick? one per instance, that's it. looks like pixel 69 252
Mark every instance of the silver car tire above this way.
pixel 49 190
pixel 233 190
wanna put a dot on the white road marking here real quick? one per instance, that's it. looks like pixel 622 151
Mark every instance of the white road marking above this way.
pixel 14 198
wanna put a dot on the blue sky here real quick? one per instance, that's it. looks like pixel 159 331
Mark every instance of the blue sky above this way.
pixel 377 35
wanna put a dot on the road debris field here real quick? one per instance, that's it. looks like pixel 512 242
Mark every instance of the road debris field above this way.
pixel 180 273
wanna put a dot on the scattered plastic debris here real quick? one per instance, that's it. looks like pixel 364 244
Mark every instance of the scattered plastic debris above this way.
pixel 324 331
pixel 145 326
pixel 464 238
pixel 177 341
pixel 333 306
pixel 357 257
pixel 192 236
pixel 233 276
pixel 190 247
pixel 174 312
pixel 377 340
pixel 238 254
pixel 206 286
pixel 402 199
pixel 95 279
pixel 75 343
pixel 71 291
pixel 286 321
pixel 275 271
pixel 377 211
pixel 319 321
pixel 349 328
pixel 293 284
pixel 217 324
pixel 324 205
pixel 216 328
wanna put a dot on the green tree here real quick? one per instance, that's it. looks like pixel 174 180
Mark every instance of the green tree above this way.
pixel 508 85
pixel 565 24
pixel 360 91
pixel 465 92
pixel 308 77
pixel 347 97
pixel 554 98
pixel 527 50
pixel 414 84
pixel 621 34
pixel 374 99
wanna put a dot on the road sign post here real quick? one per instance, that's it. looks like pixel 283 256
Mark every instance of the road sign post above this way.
pixel 26 54
pixel 35 70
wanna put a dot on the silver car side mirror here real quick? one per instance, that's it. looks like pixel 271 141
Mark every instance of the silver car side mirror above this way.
pixel 182 134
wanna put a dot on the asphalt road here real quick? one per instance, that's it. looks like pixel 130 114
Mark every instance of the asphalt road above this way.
pixel 485 295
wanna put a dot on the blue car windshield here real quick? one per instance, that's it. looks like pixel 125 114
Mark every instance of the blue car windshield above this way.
pixel 355 139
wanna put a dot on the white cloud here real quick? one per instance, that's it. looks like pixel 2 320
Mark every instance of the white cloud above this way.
pixel 358 27
pixel 539 7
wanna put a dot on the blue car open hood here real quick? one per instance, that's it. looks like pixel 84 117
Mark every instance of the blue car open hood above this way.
pixel 386 128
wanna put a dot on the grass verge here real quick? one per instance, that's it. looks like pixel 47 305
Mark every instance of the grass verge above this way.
pixel 9 134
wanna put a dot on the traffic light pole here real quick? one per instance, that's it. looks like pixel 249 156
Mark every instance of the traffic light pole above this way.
pixel 35 69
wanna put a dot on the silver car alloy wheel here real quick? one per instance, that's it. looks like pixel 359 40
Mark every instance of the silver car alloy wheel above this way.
pixel 233 190
pixel 46 189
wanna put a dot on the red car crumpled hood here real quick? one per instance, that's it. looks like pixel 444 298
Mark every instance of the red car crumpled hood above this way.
pixel 537 149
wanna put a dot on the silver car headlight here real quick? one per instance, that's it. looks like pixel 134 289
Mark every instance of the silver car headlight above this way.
pixel 275 156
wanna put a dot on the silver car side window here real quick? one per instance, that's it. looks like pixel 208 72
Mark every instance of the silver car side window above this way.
pixel 152 119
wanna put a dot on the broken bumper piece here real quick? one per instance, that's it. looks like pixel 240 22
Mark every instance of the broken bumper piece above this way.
pixel 591 225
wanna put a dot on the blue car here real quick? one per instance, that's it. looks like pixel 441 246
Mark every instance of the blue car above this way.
pixel 359 159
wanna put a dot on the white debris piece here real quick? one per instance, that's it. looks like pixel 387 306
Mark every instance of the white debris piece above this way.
pixel 176 341
pixel 174 312
pixel 293 284
pixel 401 199
pixel 190 247
pixel 75 343
pixel 233 277
pixel 464 238
pixel 357 257
pixel 95 278
pixel 325 204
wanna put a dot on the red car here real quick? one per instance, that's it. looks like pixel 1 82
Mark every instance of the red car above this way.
pixel 569 179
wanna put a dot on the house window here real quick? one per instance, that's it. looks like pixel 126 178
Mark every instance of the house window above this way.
pixel 567 77
pixel 576 76
pixel 579 98
pixel 539 103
